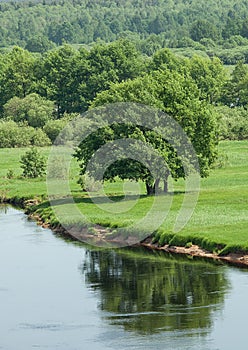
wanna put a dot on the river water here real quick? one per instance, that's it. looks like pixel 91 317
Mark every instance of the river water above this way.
pixel 57 294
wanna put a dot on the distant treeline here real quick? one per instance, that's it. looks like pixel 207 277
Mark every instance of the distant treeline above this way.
pixel 152 24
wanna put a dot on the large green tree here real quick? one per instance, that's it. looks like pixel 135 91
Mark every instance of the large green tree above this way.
pixel 17 74
pixel 59 75
pixel 210 77
pixel 236 88
pixel 108 64
pixel 203 29
pixel 39 43
pixel 175 94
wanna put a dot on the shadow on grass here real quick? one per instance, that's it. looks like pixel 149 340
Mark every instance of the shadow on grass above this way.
pixel 102 199
pixel 96 199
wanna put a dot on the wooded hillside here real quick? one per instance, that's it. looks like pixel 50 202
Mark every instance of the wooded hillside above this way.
pixel 199 24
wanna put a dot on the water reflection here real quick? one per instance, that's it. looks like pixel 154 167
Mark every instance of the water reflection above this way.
pixel 152 292
pixel 3 208
pixel 175 303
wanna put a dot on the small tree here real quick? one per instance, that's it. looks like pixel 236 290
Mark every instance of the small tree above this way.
pixel 33 164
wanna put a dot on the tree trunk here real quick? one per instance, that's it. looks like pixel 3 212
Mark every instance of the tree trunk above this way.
pixel 149 189
pixel 152 189
pixel 155 187
pixel 166 185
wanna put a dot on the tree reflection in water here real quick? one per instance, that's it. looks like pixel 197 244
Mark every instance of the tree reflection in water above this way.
pixel 3 208
pixel 152 292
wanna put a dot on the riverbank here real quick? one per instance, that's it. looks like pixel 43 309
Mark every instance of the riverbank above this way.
pixel 99 238
pixel 217 229
pixel 239 259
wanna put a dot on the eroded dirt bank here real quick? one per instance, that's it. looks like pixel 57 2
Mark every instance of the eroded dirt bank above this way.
pixel 100 237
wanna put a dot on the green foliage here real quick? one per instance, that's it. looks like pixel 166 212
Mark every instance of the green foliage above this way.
pixel 61 32
pixel 149 45
pixel 188 245
pixel 176 94
pixel 59 75
pixel 21 135
pixel 39 138
pixel 209 76
pixel 233 123
pixel 234 41
pixel 33 109
pixel 10 174
pixel 17 74
pixel 87 21
pixel 11 135
pixel 33 164
pixel 201 29
pixel 88 184
pixel 54 127
pixel 108 64
pixel 39 43
pixel 236 89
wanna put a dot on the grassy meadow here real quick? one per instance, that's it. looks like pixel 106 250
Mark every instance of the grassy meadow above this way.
pixel 219 222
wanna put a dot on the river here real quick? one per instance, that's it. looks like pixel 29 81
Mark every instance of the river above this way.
pixel 58 294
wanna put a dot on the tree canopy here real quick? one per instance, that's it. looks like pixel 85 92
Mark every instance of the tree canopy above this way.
pixel 206 25
pixel 39 90
pixel 177 95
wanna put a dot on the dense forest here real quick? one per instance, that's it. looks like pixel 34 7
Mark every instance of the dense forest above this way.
pixel 210 27
pixel 40 93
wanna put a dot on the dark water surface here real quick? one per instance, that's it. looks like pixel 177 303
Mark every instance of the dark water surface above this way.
pixel 61 295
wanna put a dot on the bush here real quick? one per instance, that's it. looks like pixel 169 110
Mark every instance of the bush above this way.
pixel 208 43
pixel 10 174
pixel 33 164
pixel 12 135
pixel 233 123
pixel 33 109
pixel 234 41
pixel 88 184
pixel 54 127
pixel 21 135
pixel 234 55
pixel 39 138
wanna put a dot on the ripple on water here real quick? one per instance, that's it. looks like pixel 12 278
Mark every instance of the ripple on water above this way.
pixel 50 326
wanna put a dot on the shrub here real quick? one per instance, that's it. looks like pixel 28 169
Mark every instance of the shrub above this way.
pixel 33 164
pixel 21 135
pixel 53 128
pixel 33 109
pixel 233 123
pixel 39 138
pixel 12 135
pixel 88 184
pixel 10 174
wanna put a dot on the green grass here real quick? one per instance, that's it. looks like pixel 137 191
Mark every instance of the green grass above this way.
pixel 19 187
pixel 219 222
